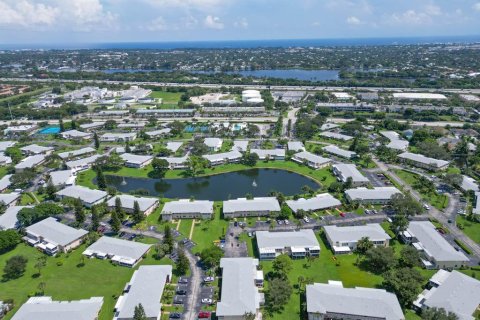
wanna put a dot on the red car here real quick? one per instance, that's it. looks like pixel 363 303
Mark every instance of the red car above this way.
pixel 204 315
pixel 342 214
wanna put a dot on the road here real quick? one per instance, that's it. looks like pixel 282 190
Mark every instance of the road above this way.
pixel 292 116
pixel 442 217
pixel 192 307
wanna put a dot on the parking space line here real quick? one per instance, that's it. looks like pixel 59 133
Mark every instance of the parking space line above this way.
pixel 178 224
pixel 191 230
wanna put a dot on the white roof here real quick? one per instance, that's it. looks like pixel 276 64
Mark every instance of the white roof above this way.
pixel 379 193
pixel 174 145
pixel 240 145
pixel 213 142
pixel 295 146
pixel 433 243
pixel 422 159
pixel 305 155
pixel 175 160
pixel 239 293
pixel 120 248
pixel 303 238
pixel 30 162
pixel 146 288
pixel 468 184
pixel 458 293
pixel 158 132
pixel 319 202
pixel 342 95
pixel 187 206
pixel 396 142
pixel 135 158
pixel 339 151
pixel 44 308
pixel 36 149
pixel 230 155
pixel 5 181
pixel 128 135
pixel 253 205
pixel 369 303
pixel 82 162
pixel 4 145
pixel 76 153
pixel 373 231
pixel 62 177
pixel 262 153
pixel 8 198
pixel 419 96
pixel 85 194
pixel 92 125
pixel 349 171
pixel 8 220
pixel 334 135
pixel 328 126
pixel 75 134
pixel 128 201
pixel 55 232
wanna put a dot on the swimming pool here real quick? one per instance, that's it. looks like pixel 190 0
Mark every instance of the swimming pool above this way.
pixel 50 130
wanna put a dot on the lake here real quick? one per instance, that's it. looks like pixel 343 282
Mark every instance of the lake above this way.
pixel 258 182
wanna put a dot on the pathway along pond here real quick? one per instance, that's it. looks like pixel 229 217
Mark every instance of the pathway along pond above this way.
pixel 224 186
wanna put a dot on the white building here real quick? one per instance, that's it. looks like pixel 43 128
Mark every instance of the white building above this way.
pixel 213 144
pixel 44 308
pixel 215 159
pixel 176 162
pixel 83 163
pixel 345 239
pixel 243 207
pixel 396 142
pixel 271 154
pixel 319 202
pixel 135 160
pixel 311 160
pixel 146 205
pixel 418 96
pixel 76 135
pixel 63 178
pixel 118 137
pixel 297 244
pixel 89 197
pixel 67 155
pixel 295 146
pixel 336 136
pixel 34 149
pixel 468 184
pixel 8 220
pixel 187 209
pixel 339 152
pixel 344 171
pixel 379 195
pixel 30 162
pixel 421 161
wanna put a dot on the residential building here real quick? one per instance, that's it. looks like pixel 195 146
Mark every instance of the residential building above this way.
pixel 8 220
pixel 89 197
pixel 345 239
pixel 122 252
pixel 174 146
pixel 243 207
pixel 436 252
pixel 4 145
pixel 10 199
pixel 62 178
pixel 34 149
pixel 469 184
pixel 145 288
pixel 118 137
pixel 421 161
pixel 239 294
pixel 453 291
pixel 176 162
pixel 333 301
pixel 328 126
pixel 311 160
pixel 52 237
pixel 30 162
pixel 135 160
pixel 396 142
pixel 476 206
pixel 5 182
pixel 344 171
pixel 342 96
pixel 319 202
pixel 20 130
pixel 297 244
pixel 213 144
pixel 72 154
pixel 339 152
pixel 4 160
pixel 187 209
pixel 240 145
pixel 378 195
pixel 271 154
pixel 418 96
pixel 295 146
pixel 146 205
pixel 336 136
pixel 76 135
pixel 165 113
pixel 132 125
pixel 158 133
pixel 223 158
pixel 92 126
pixel 83 163
pixel 348 106
pixel 44 308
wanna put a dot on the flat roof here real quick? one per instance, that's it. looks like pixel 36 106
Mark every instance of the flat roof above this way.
pixel 135 158
pixel 8 198
pixel 188 206
pixel 239 293
pixel 305 155
pixel 423 159
pixel 174 145
pixel 419 96
pixel 4 145
pixel 44 308
pixel 158 132
pixel 255 204
pixel 334 298
pixel 379 193
pixel 30 162
pixel 269 152
pixel 319 202
pixel 76 153
pixel 8 220
pixel 119 135
pixel 468 184
pixel 433 243
pixel 240 145
pixel 5 181
pixel 83 193
pixel 75 134
pixel 128 201
pixel 230 155
pixel 304 238
pixel 334 135
pixel 36 149
pixel 339 151
pixel 295 146
pixel 372 231
pixel 119 247
pixel 396 142
pixel 62 177
pixel 213 142
pixel 82 162
pixel 146 288
pixel 348 170
pixel 55 232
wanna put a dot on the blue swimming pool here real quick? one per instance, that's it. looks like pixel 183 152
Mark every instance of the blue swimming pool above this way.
pixel 50 130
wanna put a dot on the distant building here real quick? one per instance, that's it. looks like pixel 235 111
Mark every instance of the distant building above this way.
pixel 165 113
pixel 67 155
pixel 345 239
pixel 122 252
pixel 118 137
pixel 336 136
pixel 146 205
pixel 346 106
pixel 421 161
pixel 158 133
pixel 319 202
pixel 233 156
pixel 176 162
pixel 135 160
pixel 418 96
pixel 311 160
pixel 379 195
pixel 396 142
pixel 242 207
pixel 297 244
pixel 187 209
pixel 271 154
pixel 339 152
pixel 76 135
pixel 89 197
pixel 345 171
pixel 20 130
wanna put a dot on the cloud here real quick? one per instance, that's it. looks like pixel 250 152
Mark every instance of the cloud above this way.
pixel 212 22
pixel 158 24
pixel 354 21
pixel 242 23
pixel 410 17
pixel 89 14
pixel 27 14
pixel 203 5
pixel 476 6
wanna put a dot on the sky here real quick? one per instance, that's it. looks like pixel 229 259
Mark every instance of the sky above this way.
pixel 100 21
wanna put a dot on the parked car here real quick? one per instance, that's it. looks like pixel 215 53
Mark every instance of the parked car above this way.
pixel 207 301
pixel 181 292
pixel 426 206
pixel 183 280
pixel 306 219
pixel 287 222
pixel 208 279
pixel 342 214
pixel 204 315
pixel 175 315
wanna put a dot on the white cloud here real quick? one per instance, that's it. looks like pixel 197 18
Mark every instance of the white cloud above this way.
pixel 242 23
pixel 189 4
pixel 433 10
pixel 411 17
pixel 213 22
pixel 88 14
pixel 476 6
pixel 27 14
pixel 354 21
pixel 158 24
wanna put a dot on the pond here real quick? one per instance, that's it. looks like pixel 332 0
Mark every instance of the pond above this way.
pixel 257 182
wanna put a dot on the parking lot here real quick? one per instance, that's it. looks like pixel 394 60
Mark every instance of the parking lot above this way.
pixel 377 179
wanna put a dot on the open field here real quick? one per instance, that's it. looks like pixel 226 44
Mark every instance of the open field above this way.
pixel 470 228
pixel 167 97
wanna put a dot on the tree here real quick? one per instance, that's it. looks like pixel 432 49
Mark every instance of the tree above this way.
pixel 363 245
pixel 182 264
pixel 119 208
pixel 23 179
pixel 96 141
pixel 380 259
pixel 249 316
pixel 409 257
pixel 9 240
pixel 160 167
pixel 250 159
pixel 196 164
pixel 405 282
pixel 15 267
pixel 101 180
pixel 28 216
pixel 41 263
pixel 50 190
pixel 282 264
pixel 73 125
pixel 62 126
pixel 110 124
pixel 399 223
pixel 453 179
pixel 127 147
pixel 278 294
pixel 137 214
pixel 211 256
pixel 115 222
pixel 95 219
pixel 168 238
pixel 437 314
pixel 139 313
pixel 405 205
pixel 79 212
pixel 41 287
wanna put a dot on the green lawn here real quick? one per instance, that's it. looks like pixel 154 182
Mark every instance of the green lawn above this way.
pixel 470 228
pixel 439 201
pixel 3 172
pixel 69 282
pixel 167 97
pixel 208 231
pixel 185 227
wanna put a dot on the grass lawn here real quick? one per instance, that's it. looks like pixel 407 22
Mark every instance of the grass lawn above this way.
pixel 208 231
pixel 470 228
pixel 439 201
pixel 3 172
pixel 185 227
pixel 69 282
pixel 167 97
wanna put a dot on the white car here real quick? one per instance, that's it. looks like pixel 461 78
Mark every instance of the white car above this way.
pixel 287 222
pixel 426 206
pixel 306 219
pixel 207 301
pixel 208 279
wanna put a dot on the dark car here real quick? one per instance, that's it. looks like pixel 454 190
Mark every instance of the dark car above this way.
pixel 175 315
pixel 183 280
pixel 181 292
